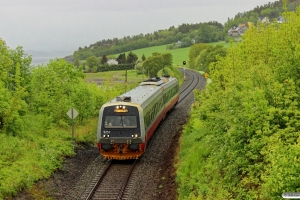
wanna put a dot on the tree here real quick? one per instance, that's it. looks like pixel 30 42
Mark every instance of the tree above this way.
pixel 167 61
pixel 139 67
pixel 121 58
pixel 131 58
pixel 143 57
pixel 186 42
pixel 15 73
pixel 76 62
pixel 208 56
pixel 153 64
pixel 194 53
pixel 103 60
pixel 51 88
pixel 92 62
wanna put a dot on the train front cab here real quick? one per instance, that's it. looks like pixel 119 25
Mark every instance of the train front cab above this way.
pixel 119 134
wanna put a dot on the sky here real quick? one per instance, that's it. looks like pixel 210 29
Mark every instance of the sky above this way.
pixel 62 26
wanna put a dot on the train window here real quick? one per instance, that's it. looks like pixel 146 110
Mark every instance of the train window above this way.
pixel 120 122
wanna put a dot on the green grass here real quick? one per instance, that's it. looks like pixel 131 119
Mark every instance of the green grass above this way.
pixel 116 75
pixel 179 54
pixel 132 76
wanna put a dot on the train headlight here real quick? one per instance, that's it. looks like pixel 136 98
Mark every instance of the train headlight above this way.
pixel 106 136
pixel 134 136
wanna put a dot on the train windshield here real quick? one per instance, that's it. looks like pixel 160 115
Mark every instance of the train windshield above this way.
pixel 120 122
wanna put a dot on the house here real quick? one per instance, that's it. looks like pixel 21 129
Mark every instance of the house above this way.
pixel 237 31
pixel 178 43
pixel 264 19
pixel 280 20
pixel 112 62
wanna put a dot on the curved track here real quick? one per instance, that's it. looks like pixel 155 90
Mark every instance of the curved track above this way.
pixel 116 177
pixel 191 83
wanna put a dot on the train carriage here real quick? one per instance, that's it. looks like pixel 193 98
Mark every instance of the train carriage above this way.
pixel 127 122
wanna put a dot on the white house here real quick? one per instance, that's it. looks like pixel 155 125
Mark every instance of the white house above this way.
pixel 112 62
pixel 178 43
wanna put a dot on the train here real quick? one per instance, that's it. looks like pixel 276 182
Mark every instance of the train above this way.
pixel 127 122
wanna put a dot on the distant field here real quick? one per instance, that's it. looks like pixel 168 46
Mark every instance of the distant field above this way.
pixel 116 76
pixel 179 55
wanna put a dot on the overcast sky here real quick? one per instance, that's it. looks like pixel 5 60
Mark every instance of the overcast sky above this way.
pixel 65 25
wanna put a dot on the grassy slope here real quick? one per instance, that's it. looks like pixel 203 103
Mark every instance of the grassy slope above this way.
pixel 179 54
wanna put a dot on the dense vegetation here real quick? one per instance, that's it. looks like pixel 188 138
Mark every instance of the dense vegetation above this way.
pixel 34 127
pixel 35 131
pixel 201 55
pixel 242 141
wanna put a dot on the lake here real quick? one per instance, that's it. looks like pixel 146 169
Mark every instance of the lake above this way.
pixel 43 57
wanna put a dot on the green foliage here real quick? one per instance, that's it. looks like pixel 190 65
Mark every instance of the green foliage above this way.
pixel 92 63
pixel 121 58
pixel 157 62
pixel 139 67
pixel 143 57
pixel 104 68
pixel 186 42
pixel 76 62
pixel 34 129
pixel 103 60
pixel 242 141
pixel 14 77
pixel 57 87
pixel 209 56
pixel 195 50
pixel 32 151
pixel 131 58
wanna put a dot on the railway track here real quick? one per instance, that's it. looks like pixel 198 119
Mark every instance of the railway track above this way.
pixel 113 182
pixel 115 179
pixel 193 81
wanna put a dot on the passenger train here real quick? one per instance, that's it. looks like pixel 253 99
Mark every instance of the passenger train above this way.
pixel 126 123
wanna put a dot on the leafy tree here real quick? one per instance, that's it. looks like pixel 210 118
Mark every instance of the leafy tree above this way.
pixel 139 67
pixel 206 34
pixel 76 62
pixel 167 61
pixel 186 42
pixel 131 58
pixel 157 62
pixel 14 75
pixel 195 52
pixel 92 62
pixel 143 57
pixel 103 60
pixel 121 58
pixel 151 65
pixel 208 56
pixel 51 88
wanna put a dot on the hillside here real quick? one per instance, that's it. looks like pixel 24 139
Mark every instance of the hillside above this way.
pixel 203 32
